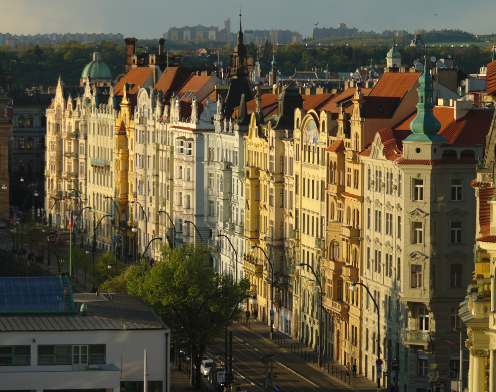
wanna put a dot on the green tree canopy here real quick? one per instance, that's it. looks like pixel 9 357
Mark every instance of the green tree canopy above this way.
pixel 188 295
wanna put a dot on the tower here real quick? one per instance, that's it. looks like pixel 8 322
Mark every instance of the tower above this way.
pixel 393 59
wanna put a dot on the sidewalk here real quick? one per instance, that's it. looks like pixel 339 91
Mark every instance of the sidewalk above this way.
pixel 286 346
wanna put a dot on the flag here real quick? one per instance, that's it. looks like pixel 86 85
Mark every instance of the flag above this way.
pixel 71 223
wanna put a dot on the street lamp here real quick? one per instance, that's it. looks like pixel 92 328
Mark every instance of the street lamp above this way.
pixel 300 267
pixel 94 248
pixel 50 211
pixel 219 236
pixel 173 227
pixel 153 239
pixel 35 194
pixel 135 229
pixel 354 287
pixel 110 266
pixel 196 228
pixel 252 250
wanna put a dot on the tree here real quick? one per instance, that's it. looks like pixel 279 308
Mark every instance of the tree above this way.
pixel 101 272
pixel 188 296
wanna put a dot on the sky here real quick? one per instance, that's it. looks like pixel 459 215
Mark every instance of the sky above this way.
pixel 152 18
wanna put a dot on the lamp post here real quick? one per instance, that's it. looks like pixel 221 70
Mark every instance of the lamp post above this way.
pixel 153 239
pixel 50 211
pixel 136 202
pixel 77 217
pixel 354 287
pixel 35 194
pixel 300 267
pixel 173 227
pixel 94 249
pixel 229 363
pixel 219 236
pixel 252 250
pixel 196 228
pixel 110 266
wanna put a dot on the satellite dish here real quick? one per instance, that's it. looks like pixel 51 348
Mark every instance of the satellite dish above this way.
pixel 433 59
pixel 418 65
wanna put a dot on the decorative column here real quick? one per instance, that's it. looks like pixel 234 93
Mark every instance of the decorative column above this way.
pixel 492 369
pixel 478 376
pixel 493 295
pixel 471 370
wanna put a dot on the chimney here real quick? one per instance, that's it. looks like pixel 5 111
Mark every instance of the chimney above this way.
pixel 161 42
pixel 130 52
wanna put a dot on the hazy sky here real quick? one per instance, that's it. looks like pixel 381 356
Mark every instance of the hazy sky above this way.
pixel 151 18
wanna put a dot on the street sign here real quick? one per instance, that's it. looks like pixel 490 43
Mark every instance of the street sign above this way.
pixel 379 362
pixel 379 369
pixel 276 388
pixel 118 239
pixel 271 315
pixel 221 377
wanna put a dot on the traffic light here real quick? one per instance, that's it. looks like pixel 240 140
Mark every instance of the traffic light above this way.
pixel 272 375
pixel 438 388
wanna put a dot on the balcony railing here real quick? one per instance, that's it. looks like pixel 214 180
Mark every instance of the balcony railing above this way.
pixel 410 336
pixel 100 162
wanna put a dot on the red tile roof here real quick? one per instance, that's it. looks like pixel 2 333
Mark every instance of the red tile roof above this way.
pixel 379 107
pixel 471 129
pixel 394 84
pixel 136 78
pixel 485 210
pixel 346 95
pixel 316 102
pixel 193 85
pixel 487 238
pixel 337 146
pixel 491 78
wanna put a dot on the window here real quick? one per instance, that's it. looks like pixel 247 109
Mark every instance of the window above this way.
pixel 368 218
pixel 422 367
pixel 97 353
pixel 15 355
pixel 389 224
pixel 416 276
pixel 456 189
pixel 418 189
pixel 454 319
pixel 454 367
pixel 180 146
pixel 399 184
pixel 399 227
pixel 297 184
pixel 423 318
pixel 417 233
pixel 456 232
pixel 456 275
pixel 378 221
pixel 189 148
pixel 22 143
pixel 54 355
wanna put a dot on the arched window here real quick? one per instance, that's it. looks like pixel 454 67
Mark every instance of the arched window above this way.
pixel 30 142
pixel 335 250
pixel 30 121
pixel 21 121
pixel 22 143
pixel 21 166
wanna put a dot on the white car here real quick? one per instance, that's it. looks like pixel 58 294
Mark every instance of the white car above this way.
pixel 205 366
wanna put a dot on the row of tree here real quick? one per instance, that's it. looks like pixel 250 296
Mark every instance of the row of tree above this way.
pixel 41 65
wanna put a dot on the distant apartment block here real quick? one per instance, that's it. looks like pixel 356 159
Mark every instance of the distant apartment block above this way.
pixel 12 40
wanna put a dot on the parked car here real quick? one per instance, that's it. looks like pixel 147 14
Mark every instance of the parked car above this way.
pixel 206 366
pixel 211 373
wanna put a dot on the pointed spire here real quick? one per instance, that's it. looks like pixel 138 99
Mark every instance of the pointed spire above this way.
pixel 240 31
pixel 425 126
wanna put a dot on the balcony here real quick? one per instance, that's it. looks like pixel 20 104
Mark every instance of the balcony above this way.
pixel 335 189
pixel 415 337
pixel 74 135
pixel 337 307
pixel 350 272
pixel 334 227
pixel 100 162
pixel 350 232
pixel 74 174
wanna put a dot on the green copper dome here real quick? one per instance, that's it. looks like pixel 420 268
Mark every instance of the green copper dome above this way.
pixel 425 126
pixel 97 69
pixel 393 53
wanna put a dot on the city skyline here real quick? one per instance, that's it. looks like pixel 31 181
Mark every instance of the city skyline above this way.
pixel 26 17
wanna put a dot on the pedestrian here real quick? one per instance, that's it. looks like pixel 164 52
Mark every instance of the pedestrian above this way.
pixel 247 315
pixel 354 369
pixel 348 368
pixel 255 314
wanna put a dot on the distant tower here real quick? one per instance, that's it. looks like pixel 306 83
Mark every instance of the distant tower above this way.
pixel 227 27
pixel 130 52
pixel 417 39
pixel 393 59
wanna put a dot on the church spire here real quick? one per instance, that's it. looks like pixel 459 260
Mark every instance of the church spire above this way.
pixel 425 126
pixel 240 31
